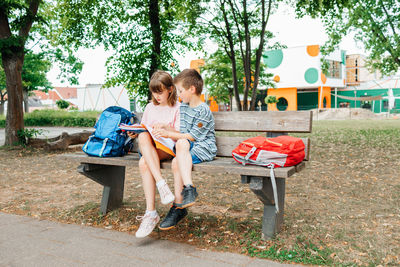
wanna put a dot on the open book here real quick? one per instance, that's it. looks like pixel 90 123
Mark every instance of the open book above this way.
pixel 165 144
pixel 137 128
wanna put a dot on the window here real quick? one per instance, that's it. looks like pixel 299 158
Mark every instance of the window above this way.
pixel 282 104
pixel 334 70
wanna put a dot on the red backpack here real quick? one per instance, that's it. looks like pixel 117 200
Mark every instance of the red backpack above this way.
pixel 281 151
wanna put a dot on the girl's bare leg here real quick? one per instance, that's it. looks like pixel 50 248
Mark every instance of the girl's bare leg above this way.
pixel 152 155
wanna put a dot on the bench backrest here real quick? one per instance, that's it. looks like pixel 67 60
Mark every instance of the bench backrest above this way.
pixel 233 127
pixel 241 122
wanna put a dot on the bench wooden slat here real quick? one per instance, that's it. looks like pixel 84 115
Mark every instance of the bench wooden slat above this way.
pixel 225 145
pixel 258 121
pixel 219 165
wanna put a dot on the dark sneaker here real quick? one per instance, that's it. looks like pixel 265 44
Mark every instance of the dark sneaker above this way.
pixel 189 196
pixel 173 217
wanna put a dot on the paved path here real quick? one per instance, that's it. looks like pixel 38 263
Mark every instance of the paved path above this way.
pixel 25 241
pixel 49 131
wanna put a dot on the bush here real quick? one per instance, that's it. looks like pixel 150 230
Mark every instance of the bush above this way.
pixel 271 99
pixel 2 121
pixel 50 117
pixel 62 104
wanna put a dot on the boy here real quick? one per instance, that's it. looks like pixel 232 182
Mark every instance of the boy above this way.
pixel 195 143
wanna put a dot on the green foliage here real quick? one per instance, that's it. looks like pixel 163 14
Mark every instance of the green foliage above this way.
pixel 133 31
pixel 375 24
pixel 218 77
pixel 239 29
pixel 219 80
pixel 271 99
pixel 25 26
pixel 34 71
pixel 62 104
pixel 2 121
pixel 306 253
pixel 25 134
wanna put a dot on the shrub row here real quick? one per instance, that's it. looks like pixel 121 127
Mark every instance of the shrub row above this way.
pixel 50 117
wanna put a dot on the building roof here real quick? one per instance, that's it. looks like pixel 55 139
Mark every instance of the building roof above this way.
pixel 66 92
pixel 390 82
pixel 51 95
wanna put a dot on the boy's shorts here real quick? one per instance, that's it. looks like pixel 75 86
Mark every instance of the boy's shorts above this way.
pixel 195 159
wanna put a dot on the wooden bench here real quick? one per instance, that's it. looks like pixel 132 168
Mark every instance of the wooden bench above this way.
pixel 110 172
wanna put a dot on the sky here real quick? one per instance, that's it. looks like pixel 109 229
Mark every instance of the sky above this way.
pixel 288 30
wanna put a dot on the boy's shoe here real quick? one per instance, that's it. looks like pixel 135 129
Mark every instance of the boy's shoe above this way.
pixel 189 196
pixel 165 194
pixel 147 225
pixel 173 217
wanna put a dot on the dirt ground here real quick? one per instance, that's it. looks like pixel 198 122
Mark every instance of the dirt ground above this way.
pixel 344 208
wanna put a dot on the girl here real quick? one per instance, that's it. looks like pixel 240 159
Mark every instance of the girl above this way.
pixel 161 113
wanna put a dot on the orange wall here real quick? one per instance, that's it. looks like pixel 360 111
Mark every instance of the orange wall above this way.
pixel 196 64
pixel 290 94
pixel 326 93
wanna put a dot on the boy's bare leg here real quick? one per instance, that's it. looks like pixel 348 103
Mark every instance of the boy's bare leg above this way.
pixel 151 155
pixel 149 185
pixel 184 160
pixel 178 183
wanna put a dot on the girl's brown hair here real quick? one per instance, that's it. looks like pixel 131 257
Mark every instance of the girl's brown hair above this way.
pixel 160 81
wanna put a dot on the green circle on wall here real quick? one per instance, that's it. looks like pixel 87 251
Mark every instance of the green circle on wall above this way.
pixel 311 75
pixel 273 58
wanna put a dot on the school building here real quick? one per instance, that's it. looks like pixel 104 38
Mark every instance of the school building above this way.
pixel 300 83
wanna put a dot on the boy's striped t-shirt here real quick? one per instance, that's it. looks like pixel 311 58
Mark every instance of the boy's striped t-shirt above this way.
pixel 199 123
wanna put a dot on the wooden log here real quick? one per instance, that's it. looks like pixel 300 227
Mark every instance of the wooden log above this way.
pixel 60 142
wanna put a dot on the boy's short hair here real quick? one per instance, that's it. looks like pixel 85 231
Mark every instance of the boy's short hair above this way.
pixel 190 77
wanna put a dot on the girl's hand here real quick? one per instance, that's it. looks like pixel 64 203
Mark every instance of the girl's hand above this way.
pixel 131 134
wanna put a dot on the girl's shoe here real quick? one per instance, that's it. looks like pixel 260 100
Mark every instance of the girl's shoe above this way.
pixel 147 225
pixel 165 194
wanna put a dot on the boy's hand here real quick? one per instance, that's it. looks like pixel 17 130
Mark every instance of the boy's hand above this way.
pixel 160 133
pixel 131 134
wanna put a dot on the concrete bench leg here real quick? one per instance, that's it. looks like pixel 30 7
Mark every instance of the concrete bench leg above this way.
pixel 112 178
pixel 262 187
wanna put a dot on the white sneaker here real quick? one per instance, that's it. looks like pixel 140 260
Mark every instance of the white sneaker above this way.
pixel 165 194
pixel 147 225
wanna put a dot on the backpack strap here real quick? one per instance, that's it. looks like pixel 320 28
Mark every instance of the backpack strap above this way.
pixel 87 143
pixel 248 155
pixel 273 182
pixel 103 147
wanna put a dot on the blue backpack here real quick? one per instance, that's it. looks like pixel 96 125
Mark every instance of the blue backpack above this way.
pixel 108 140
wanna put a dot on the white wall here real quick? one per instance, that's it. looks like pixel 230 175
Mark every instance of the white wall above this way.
pixel 295 63
pixel 94 97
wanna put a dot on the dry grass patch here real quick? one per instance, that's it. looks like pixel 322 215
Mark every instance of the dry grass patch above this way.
pixel 343 209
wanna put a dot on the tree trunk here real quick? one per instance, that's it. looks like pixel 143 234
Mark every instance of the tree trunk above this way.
pixel 60 142
pixel 154 15
pixel 26 98
pixel 265 16
pixel 12 66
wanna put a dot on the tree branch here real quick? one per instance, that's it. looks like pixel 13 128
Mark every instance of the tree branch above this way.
pixel 29 18
pixel 5 31
pixel 260 50
pixel 377 31
pixel 389 18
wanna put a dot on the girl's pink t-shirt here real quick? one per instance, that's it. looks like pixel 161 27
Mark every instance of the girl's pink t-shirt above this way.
pixel 162 114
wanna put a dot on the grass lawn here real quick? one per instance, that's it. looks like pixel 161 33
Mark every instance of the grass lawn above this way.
pixel 343 209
